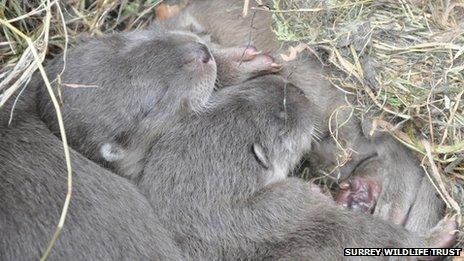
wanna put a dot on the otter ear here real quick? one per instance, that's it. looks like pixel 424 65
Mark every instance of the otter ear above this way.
pixel 260 155
pixel 112 152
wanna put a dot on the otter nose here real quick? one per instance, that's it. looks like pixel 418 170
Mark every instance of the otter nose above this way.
pixel 206 57
pixel 204 54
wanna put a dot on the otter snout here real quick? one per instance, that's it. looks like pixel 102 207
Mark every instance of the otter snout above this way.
pixel 204 54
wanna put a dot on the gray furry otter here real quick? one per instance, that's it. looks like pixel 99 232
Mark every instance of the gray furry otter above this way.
pixel 108 218
pixel 397 170
pixel 219 182
pixel 215 174
pixel 125 77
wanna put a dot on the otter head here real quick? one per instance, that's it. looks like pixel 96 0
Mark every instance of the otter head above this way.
pixel 285 124
pixel 111 84
pixel 179 62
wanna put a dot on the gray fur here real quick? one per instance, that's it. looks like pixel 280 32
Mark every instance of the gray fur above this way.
pixel 260 155
pixel 426 206
pixel 130 75
pixel 222 204
pixel 124 77
pixel 202 177
pixel 108 218
pixel 401 171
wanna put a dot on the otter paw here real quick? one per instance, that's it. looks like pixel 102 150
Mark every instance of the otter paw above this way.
pixel 359 194
pixel 251 61
pixel 238 64
pixel 444 234
pixel 260 64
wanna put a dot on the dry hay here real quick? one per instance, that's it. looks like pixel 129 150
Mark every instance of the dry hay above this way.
pixel 404 62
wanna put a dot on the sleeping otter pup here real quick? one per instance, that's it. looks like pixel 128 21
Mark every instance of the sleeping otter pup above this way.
pixel 218 175
pixel 219 180
pixel 108 217
pixel 110 84
pixel 397 168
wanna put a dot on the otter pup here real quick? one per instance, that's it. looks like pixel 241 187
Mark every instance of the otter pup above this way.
pixel 219 181
pixel 108 218
pixel 117 79
pixel 217 176
pixel 398 170
pixel 112 83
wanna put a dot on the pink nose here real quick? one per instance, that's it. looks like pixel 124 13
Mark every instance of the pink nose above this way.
pixel 205 57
